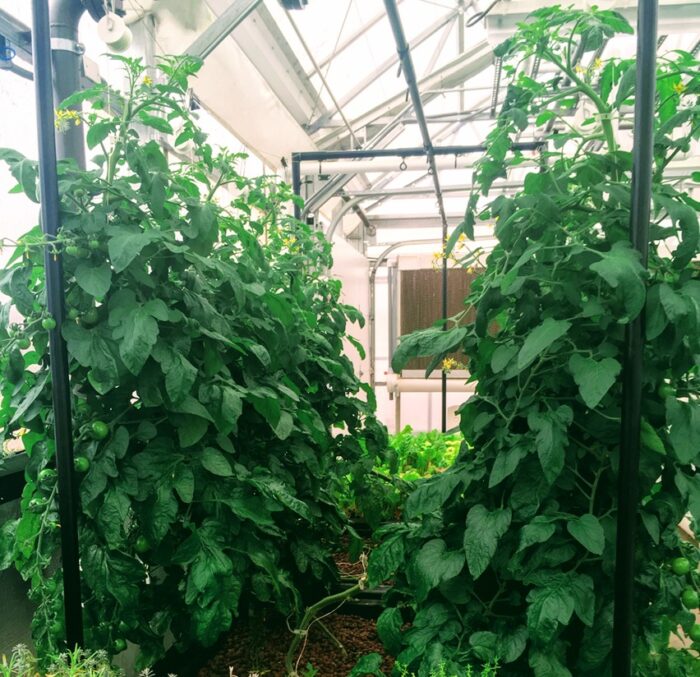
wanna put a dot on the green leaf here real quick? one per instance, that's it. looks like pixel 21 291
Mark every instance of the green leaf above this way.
pixel 389 626
pixel 431 494
pixel 483 531
pixel 433 565
pixel 549 607
pixel 216 463
pixel 627 85
pixel 385 560
pixel 505 464
pixel 369 664
pixel 541 338
pixel 433 341
pixel 512 644
pixel 190 429
pixel 552 439
pixel 138 340
pixel 160 124
pixel 620 268
pixel 539 530
pixel 284 426
pixel 484 644
pixel 684 421
pixel 184 484
pixel 126 245
pixel 95 280
pixel 502 356
pixel 594 378
pixel 546 664
pixel 588 531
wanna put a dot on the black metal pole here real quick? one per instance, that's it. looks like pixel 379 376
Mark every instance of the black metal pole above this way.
pixel 296 182
pixel 50 223
pixel 628 474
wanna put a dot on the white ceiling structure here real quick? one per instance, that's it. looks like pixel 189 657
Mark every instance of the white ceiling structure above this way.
pixel 327 78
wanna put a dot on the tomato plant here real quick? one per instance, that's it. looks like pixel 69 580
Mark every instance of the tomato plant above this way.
pixel 214 409
pixel 511 551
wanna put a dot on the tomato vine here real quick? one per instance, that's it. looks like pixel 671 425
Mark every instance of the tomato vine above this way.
pixel 510 553
pixel 215 411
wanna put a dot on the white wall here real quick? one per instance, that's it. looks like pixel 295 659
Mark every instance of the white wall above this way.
pixel 352 269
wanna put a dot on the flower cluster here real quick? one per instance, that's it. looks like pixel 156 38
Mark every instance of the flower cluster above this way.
pixel 65 117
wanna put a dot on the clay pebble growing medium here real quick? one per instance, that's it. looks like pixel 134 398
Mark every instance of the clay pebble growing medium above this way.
pixel 261 650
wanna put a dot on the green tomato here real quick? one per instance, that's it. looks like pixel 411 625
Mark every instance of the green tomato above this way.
pixel 81 464
pixel 90 317
pixel 24 343
pixel 72 250
pixel 99 430
pixel 123 627
pixel 48 323
pixel 37 503
pixel 680 566
pixel 142 545
pixel 94 245
pixel 690 598
pixel 694 633
pixel 73 314
pixel 46 474
pixel 119 645
pixel 666 390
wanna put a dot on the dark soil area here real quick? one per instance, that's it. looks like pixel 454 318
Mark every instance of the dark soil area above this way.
pixel 261 650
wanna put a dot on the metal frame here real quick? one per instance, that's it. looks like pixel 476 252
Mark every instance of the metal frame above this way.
pixel 205 43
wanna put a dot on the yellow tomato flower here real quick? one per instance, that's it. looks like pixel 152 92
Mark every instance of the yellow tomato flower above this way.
pixel 64 118
pixel 449 363
pixel 147 80
pixel 580 69
pixel 598 63
pixel 679 88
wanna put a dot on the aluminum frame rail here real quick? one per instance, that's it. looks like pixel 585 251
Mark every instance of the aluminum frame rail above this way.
pixel 631 420
pixel 404 52
pixel 50 224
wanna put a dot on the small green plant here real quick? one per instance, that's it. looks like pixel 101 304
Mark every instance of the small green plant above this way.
pixel 76 663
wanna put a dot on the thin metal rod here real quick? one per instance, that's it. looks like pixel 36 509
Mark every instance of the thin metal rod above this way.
pixel 319 72
pixel 50 223
pixel 409 72
pixel 296 183
pixel 628 473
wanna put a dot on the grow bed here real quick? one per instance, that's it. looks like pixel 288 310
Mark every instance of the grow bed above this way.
pixel 260 649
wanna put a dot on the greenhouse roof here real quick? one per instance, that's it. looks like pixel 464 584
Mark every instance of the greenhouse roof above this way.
pixel 328 78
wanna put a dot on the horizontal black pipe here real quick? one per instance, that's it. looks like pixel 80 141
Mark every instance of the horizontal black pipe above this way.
pixel 370 153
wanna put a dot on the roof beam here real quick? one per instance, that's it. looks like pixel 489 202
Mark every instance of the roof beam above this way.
pixel 266 46
pixel 453 74
pixel 382 68
pixel 221 28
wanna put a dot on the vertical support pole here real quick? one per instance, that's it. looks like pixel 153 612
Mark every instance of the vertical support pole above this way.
pixel 50 223
pixel 64 18
pixel 443 375
pixel 628 474
pixel 296 182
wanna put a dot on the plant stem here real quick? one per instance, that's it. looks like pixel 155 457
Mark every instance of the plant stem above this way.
pixel 308 618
